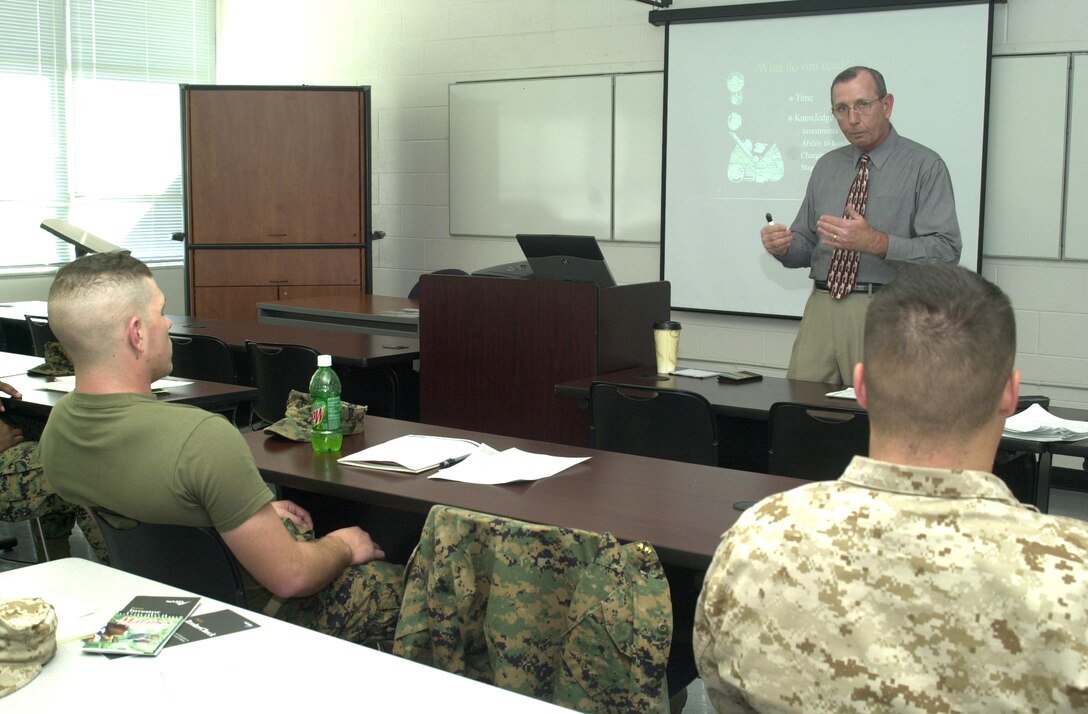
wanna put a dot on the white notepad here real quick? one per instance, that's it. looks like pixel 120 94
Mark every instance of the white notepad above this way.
pixel 411 454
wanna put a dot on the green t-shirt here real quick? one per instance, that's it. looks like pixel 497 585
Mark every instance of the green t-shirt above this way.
pixel 151 461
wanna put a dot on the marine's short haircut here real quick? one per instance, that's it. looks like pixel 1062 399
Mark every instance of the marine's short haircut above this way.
pixel 90 294
pixel 940 342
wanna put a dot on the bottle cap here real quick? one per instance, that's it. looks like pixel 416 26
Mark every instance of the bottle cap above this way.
pixel 324 360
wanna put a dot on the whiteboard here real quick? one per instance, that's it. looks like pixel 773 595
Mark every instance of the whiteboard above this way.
pixel 531 156
pixel 1076 187
pixel 1025 156
pixel 638 116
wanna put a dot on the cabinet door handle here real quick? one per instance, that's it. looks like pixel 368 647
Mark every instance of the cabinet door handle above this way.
pixel 277 235
pixel 281 280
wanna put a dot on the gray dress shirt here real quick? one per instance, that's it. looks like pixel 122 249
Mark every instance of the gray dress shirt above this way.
pixel 910 199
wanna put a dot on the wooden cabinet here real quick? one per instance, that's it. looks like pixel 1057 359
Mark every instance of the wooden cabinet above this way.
pixel 240 303
pixel 277 266
pixel 277 195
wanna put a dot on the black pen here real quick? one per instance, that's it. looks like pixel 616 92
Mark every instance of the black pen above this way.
pixel 455 460
pixel 769 219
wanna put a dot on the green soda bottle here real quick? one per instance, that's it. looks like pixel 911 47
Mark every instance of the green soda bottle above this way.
pixel 325 408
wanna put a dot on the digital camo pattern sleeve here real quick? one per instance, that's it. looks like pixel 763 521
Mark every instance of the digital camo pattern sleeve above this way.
pixel 897 590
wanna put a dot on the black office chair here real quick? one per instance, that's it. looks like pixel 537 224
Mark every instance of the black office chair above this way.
pixel 413 294
pixel 209 359
pixel 665 424
pixel 376 387
pixel 191 558
pixel 1026 471
pixel 203 357
pixel 40 333
pixel 816 443
pixel 277 369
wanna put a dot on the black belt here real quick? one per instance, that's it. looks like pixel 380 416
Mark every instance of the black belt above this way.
pixel 859 288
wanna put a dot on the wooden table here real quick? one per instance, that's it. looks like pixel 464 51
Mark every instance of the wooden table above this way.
pixel 39 402
pixel 17 364
pixel 744 410
pixel 750 400
pixel 394 356
pixel 352 353
pixel 274 667
pixel 348 349
pixel 370 314
pixel 682 509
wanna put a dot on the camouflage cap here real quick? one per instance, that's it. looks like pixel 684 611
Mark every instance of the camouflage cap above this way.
pixel 28 639
pixel 57 363
pixel 295 425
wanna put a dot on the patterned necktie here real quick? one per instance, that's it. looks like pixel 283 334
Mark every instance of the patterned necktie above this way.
pixel 842 277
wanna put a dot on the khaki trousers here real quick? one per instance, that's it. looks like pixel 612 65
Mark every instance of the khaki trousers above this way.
pixel 829 341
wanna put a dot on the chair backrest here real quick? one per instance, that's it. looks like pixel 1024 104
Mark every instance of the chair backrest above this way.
pixel 413 294
pixel 40 333
pixel 568 616
pixel 376 387
pixel 203 357
pixel 191 558
pixel 815 443
pixel 662 423
pixel 277 369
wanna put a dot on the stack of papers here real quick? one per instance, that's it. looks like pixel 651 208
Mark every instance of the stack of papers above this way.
pixel 458 460
pixel 406 312
pixel 696 373
pixel 1037 424
pixel 847 393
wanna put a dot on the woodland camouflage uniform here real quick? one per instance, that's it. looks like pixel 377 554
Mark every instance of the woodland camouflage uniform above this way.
pixel 558 614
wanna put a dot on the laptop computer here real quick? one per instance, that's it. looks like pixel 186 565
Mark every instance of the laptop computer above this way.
pixel 565 257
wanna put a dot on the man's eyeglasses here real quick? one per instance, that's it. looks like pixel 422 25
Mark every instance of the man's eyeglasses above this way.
pixel 864 107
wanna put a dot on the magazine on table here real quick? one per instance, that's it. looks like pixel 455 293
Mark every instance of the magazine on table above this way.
pixel 143 626
pixel 211 624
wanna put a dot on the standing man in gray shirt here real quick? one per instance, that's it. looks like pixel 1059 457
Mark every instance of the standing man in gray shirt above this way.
pixel 899 209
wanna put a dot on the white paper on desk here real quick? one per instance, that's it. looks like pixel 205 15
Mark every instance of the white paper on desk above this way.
pixel 507 467
pixel 696 373
pixel 1037 424
pixel 68 384
pixel 403 312
pixel 847 393
pixel 412 453
pixel 76 618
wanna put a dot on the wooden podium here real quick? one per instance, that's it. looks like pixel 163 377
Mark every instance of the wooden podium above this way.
pixel 493 349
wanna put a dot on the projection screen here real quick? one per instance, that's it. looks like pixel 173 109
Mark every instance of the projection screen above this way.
pixel 748 112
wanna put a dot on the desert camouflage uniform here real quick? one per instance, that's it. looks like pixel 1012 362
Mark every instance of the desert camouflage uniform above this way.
pixel 25 493
pixel 28 640
pixel 361 605
pixel 557 614
pixel 897 589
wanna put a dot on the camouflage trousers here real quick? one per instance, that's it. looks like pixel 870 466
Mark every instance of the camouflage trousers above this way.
pixel 25 494
pixel 362 605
